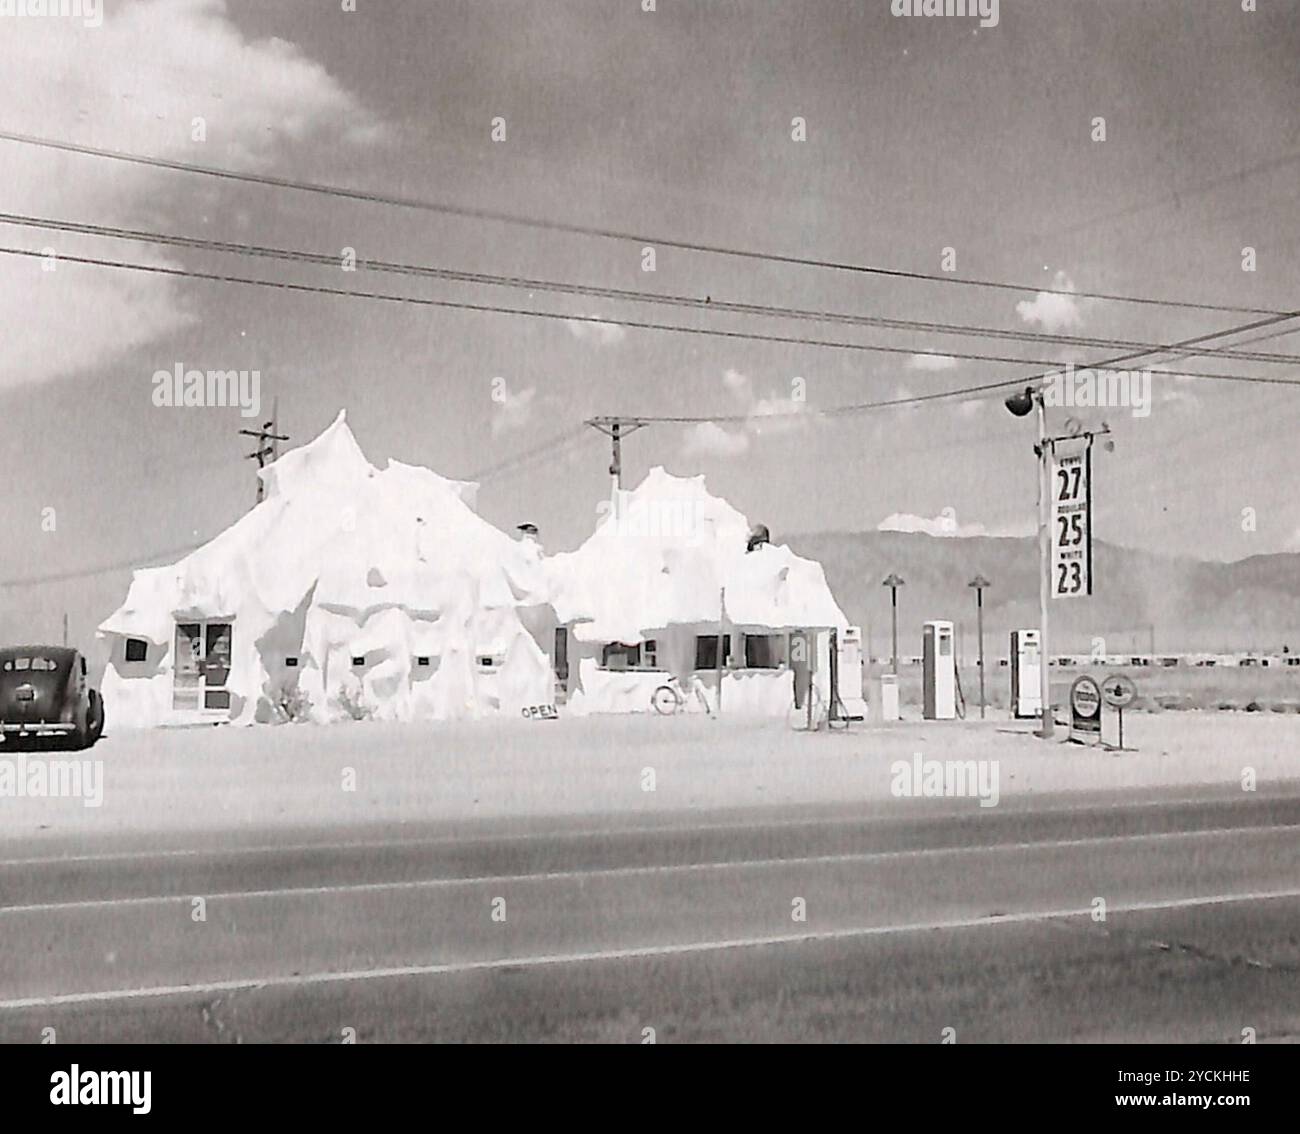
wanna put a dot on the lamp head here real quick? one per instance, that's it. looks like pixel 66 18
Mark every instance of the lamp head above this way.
pixel 1021 404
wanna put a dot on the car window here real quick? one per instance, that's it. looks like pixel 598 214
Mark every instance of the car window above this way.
pixel 22 665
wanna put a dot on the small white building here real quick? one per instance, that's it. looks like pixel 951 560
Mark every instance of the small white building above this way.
pixel 645 597
pixel 348 592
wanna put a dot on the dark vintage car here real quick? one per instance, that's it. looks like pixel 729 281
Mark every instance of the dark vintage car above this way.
pixel 46 697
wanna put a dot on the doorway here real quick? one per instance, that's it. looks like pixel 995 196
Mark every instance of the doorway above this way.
pixel 202 666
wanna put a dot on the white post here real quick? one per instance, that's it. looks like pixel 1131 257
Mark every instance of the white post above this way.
pixel 1044 567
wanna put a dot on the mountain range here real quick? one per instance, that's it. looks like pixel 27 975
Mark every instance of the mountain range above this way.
pixel 1142 602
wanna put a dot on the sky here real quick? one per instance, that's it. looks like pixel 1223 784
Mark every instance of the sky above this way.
pixel 926 144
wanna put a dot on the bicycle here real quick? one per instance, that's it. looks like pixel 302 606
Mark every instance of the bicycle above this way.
pixel 671 698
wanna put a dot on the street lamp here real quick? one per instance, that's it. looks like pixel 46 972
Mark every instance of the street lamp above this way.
pixel 1020 405
pixel 893 582
pixel 979 583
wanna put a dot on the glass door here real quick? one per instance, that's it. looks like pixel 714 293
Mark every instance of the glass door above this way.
pixel 216 666
pixel 187 675
pixel 202 666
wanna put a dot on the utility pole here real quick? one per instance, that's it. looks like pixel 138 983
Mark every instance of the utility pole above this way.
pixel 979 583
pixel 616 428
pixel 722 641
pixel 268 445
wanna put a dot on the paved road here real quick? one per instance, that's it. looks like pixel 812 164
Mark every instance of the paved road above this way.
pixel 889 923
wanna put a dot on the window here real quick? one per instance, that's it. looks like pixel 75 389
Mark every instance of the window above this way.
pixel 137 649
pixel 291 663
pixel 764 651
pixel 358 659
pixel 619 655
pixel 422 661
pixel 706 651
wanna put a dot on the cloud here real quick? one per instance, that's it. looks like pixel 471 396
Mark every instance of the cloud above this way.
pixel 772 416
pixel 593 331
pixel 945 524
pixel 764 417
pixel 739 384
pixel 137 83
pixel 709 439
pixel 931 362
pixel 1050 310
pixel 513 411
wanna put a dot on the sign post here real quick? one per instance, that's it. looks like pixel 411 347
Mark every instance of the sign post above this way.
pixel 1119 692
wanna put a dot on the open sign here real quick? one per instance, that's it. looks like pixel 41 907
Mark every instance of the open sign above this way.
pixel 540 713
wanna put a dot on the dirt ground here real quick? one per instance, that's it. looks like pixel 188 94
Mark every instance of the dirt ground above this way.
pixel 225 778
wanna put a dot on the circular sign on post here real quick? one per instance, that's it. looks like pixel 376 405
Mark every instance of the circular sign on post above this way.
pixel 1119 691
pixel 1085 705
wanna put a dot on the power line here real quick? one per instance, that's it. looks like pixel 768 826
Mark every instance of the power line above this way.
pixel 502 217
pixel 492 472
pixel 991 387
pixel 459 305
pixel 569 436
pixel 136 563
pixel 509 464
pixel 619 294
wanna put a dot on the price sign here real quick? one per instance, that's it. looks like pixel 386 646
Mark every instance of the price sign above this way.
pixel 1072 525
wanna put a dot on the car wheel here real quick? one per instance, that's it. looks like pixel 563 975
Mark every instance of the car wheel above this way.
pixel 94 718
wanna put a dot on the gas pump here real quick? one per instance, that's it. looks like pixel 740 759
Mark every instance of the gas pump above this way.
pixel 939 672
pixel 1026 677
pixel 848 673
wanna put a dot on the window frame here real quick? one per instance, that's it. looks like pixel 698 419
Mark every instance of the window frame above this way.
pixel 645 654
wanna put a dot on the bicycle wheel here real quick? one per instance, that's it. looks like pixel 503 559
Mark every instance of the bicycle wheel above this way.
pixel 666 700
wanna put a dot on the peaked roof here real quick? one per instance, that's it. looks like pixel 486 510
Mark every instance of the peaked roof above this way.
pixel 364 538
pixel 663 554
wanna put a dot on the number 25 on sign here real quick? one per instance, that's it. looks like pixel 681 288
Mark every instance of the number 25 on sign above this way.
pixel 1071 530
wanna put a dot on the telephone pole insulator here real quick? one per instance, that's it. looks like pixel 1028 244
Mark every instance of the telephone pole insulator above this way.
pixel 268 446
pixel 616 428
